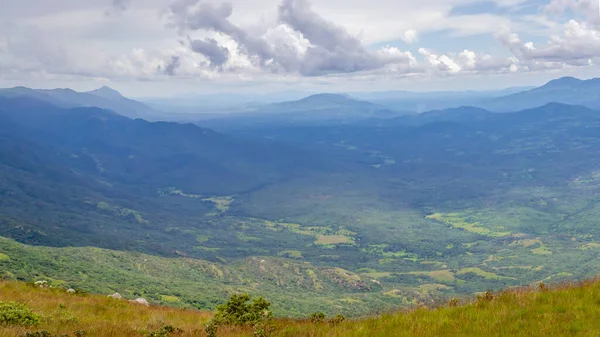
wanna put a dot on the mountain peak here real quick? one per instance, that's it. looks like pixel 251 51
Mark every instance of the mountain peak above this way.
pixel 107 93
pixel 327 97
pixel 563 82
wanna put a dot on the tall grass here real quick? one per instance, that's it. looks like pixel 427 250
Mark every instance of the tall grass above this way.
pixel 566 310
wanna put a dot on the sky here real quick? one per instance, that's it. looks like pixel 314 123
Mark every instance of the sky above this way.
pixel 152 48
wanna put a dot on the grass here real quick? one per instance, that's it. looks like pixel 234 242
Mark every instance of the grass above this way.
pixel 480 272
pixel 440 275
pixel 565 310
pixel 96 315
pixel 457 221
pixel 332 240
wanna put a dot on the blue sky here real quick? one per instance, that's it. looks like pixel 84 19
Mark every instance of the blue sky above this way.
pixel 170 47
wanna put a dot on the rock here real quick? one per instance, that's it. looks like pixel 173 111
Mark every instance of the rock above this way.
pixel 41 284
pixel 116 296
pixel 71 291
pixel 141 301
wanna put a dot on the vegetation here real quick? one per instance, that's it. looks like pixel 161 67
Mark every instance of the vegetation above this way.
pixel 410 211
pixel 563 310
pixel 12 313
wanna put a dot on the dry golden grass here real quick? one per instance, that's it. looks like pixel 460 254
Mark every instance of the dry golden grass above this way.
pixel 567 310
pixel 96 315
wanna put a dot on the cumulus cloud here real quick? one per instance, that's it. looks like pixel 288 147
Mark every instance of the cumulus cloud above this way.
pixel 589 9
pixel 217 54
pixel 314 46
pixel 578 46
pixel 468 61
pixel 410 36
pixel 172 66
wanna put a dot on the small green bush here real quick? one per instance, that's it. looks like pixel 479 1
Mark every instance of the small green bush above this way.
pixel 239 310
pixel 166 331
pixel 42 333
pixel 317 317
pixel 339 318
pixel 12 313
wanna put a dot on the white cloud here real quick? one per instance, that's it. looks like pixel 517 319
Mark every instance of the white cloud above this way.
pixel 75 38
pixel 410 36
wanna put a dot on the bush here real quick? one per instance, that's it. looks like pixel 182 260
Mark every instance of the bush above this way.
pixel 317 317
pixel 237 311
pixel 12 313
pixel 240 311
pixel 339 318
pixel 166 331
pixel 42 333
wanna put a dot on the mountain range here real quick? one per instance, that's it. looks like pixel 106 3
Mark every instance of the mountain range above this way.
pixel 321 202
pixel 566 90
pixel 104 98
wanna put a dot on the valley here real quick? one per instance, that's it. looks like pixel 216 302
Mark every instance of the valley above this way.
pixel 364 217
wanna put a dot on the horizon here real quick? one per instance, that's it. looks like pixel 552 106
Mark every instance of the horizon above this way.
pixel 168 47
pixel 306 93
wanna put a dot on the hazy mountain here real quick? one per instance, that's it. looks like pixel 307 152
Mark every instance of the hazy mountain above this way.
pixel 425 198
pixel 566 90
pixel 114 147
pixel 105 98
pixel 318 109
pixel 227 102
pixel 435 100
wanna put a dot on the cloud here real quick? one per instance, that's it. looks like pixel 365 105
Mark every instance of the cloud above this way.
pixel 410 36
pixel 468 61
pixel 313 47
pixel 210 48
pixel 117 7
pixel 589 9
pixel 578 46
pixel 172 66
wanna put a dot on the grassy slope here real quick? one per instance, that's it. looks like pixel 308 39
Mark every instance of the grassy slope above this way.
pixel 566 310
pixel 296 288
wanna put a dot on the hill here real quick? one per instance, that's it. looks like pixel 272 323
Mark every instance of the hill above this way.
pixel 104 98
pixel 318 109
pixel 566 310
pixel 566 90
pixel 350 216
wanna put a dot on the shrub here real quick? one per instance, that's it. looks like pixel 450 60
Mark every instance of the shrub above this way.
pixel 166 331
pixel 453 302
pixel 317 317
pixel 263 330
pixel 339 318
pixel 12 313
pixel 486 297
pixel 42 333
pixel 240 311
pixel 237 311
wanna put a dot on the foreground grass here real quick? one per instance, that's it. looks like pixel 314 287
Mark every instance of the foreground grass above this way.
pixel 567 310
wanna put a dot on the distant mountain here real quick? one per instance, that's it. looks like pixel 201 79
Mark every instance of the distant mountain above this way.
pixel 107 145
pixel 330 104
pixel 434 100
pixel 318 109
pixel 104 98
pixel 465 114
pixel 107 93
pixel 566 90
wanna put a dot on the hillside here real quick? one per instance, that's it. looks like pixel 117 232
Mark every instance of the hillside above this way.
pixel 565 90
pixel 296 287
pixel 318 109
pixel 566 310
pixel 104 98
pixel 442 204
